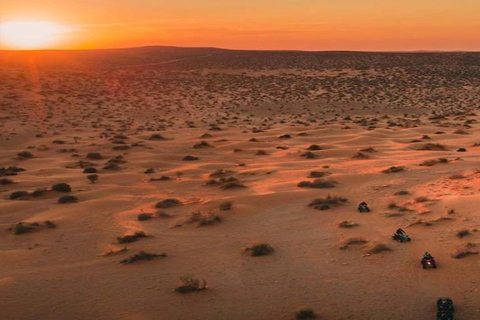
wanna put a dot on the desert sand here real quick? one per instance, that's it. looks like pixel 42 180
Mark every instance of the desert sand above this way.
pixel 255 124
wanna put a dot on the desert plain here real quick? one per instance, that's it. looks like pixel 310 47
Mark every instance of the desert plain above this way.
pixel 194 155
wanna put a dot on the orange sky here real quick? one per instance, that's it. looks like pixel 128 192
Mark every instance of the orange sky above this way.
pixel 259 24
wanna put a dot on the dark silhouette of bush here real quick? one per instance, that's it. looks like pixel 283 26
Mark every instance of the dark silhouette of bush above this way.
pixel 190 158
pixel 327 203
pixel 260 249
pixel 111 166
pixel 25 155
pixel 92 178
pixel 203 219
pixel 5 181
pixel 305 314
pixel 433 147
pixel 62 187
pixel 131 237
pixel 18 195
pixel 167 203
pixel 309 155
pixel 149 170
pixel 94 156
pixel 317 183
pixel 156 137
pixel 314 147
pixel 190 284
pixel 39 192
pixel 67 199
pixel 90 170
pixel 318 174
pixel 141 256
pixel 232 185
pixel 227 205
pixel 144 216
pixel 394 169
pixel 202 144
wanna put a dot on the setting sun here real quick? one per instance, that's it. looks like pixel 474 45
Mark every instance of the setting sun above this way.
pixel 29 34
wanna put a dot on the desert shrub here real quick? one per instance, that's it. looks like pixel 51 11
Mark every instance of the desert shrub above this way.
pixel 394 169
pixel 206 136
pixel 378 248
pixel 221 172
pixel 314 147
pixel 190 158
pixel 39 192
pixel 94 156
pixel 463 233
pixel 120 148
pixel 81 164
pixel 162 178
pixel 465 251
pixel 202 144
pixel 259 249
pixel 317 183
pixel 190 284
pixel 156 137
pixel 360 156
pixel 368 149
pixel 261 153
pixel 167 203
pixel 457 176
pixel 49 224
pixel 309 155
pixel 352 241
pixel 285 136
pixel 204 219
pixel 318 174
pixel 18 195
pixel 305 314
pixel 327 203
pixel 10 171
pixel 22 227
pixel 5 181
pixel 111 166
pixel 421 199
pixel 142 255
pixel 232 185
pixel 144 216
pixel 92 178
pixel 227 205
pixel 131 237
pixel 62 187
pixel 461 131
pixel 25 155
pixel 149 170
pixel 347 224
pixel 67 199
pixel 90 170
pixel 433 147
pixel 402 193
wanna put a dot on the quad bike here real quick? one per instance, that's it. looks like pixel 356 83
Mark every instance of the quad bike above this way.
pixel 401 237
pixel 363 208
pixel 445 309
pixel 428 263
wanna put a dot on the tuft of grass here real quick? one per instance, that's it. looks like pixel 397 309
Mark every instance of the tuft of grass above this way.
pixel 190 284
pixel 259 249
pixel 402 193
pixel 327 203
pixel 190 158
pixel 156 137
pixel 317 183
pixel 19 195
pixel 144 216
pixel 203 219
pixel 141 256
pixel 433 147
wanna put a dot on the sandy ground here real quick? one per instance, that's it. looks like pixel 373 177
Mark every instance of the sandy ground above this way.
pixel 64 273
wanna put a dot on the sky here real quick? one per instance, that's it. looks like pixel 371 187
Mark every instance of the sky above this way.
pixel 367 25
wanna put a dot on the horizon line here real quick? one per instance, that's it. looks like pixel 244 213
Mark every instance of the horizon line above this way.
pixel 232 49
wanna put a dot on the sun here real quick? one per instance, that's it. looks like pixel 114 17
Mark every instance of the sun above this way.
pixel 29 34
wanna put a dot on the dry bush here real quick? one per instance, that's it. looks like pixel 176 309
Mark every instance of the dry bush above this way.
pixel 167 203
pixel 156 137
pixel 190 158
pixel 94 156
pixel 360 156
pixel 202 144
pixel 433 147
pixel 203 219
pixel 457 176
pixel 314 147
pixel 402 193
pixel 317 183
pixel 132 237
pixel 421 199
pixel 318 174
pixel 309 155
pixel 62 187
pixel 261 153
pixel 25 227
pixel 327 203
pixel 232 185
pixel 221 172
pixel 67 199
pixel 378 248
pixel 90 170
pixel 259 249
pixel 190 284
pixel 463 233
pixel 227 205
pixel 394 169
pixel 5 181
pixel 141 256
pixel 305 314
pixel 24 155
pixel 352 241
pixel 19 195
pixel 347 224
pixel 144 216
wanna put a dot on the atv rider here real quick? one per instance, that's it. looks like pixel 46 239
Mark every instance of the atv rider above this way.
pixel 427 256
pixel 363 205
pixel 400 231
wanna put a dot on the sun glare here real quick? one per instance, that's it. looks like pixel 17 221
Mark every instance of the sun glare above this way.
pixel 29 34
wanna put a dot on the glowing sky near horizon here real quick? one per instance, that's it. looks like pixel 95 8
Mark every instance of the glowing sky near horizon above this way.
pixel 257 24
